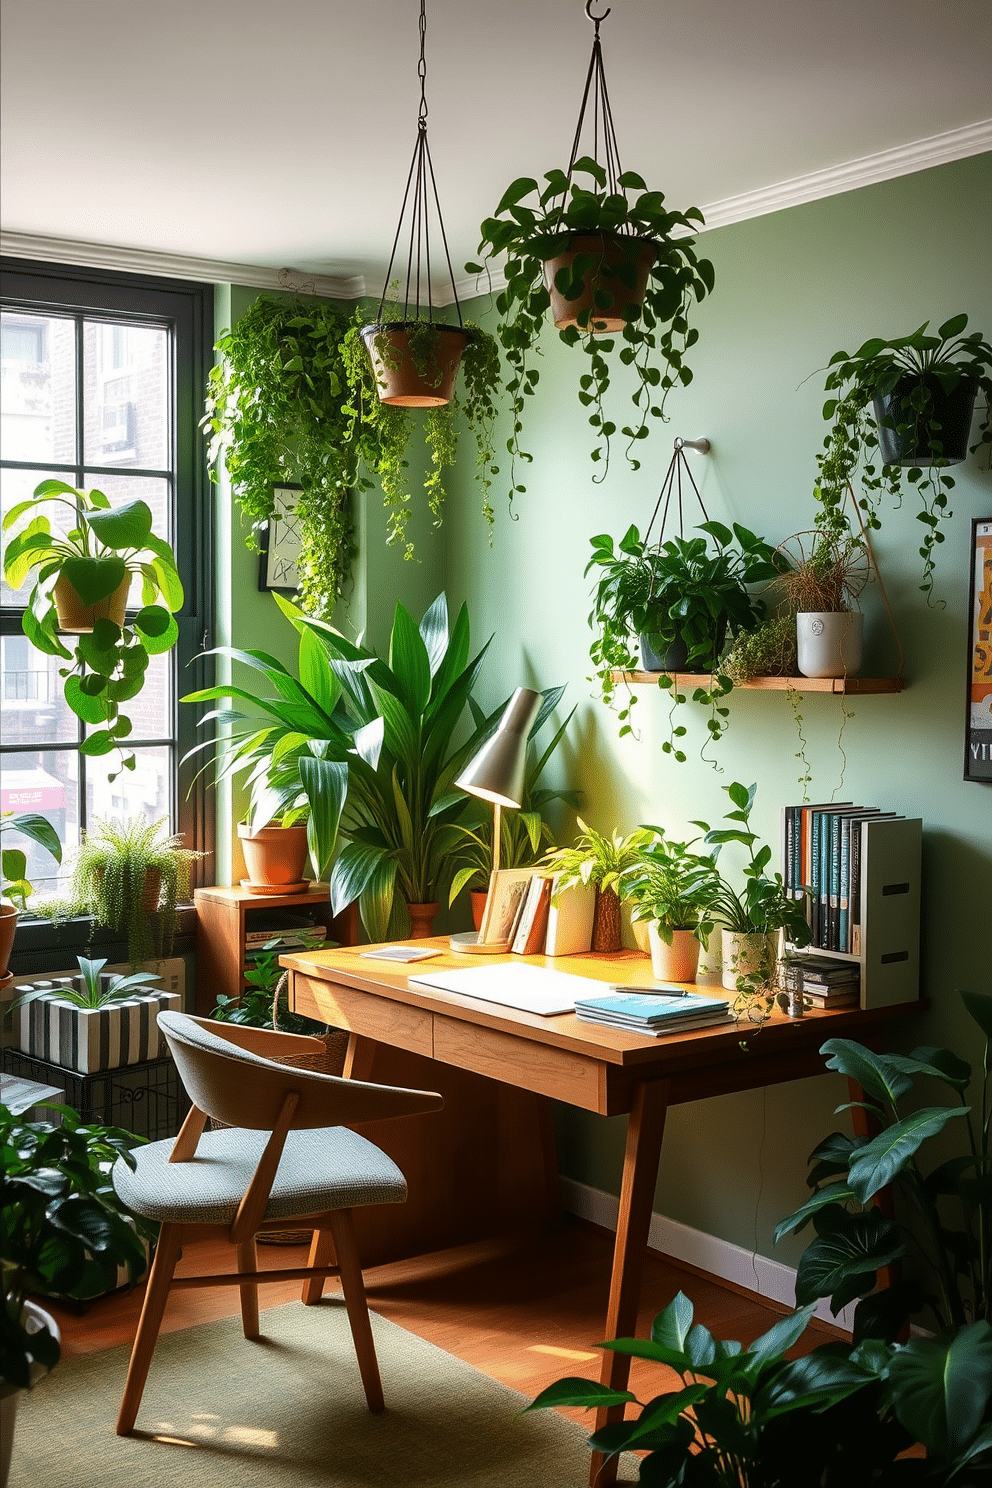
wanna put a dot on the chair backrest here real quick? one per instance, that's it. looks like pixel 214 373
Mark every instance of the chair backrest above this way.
pixel 242 1088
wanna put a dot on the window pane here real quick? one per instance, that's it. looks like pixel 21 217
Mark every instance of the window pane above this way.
pixel 125 400
pixel 143 791
pixel 34 706
pixel 37 387
pixel 16 486
pixel 46 781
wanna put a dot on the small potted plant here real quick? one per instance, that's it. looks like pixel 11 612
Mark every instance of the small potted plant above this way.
pixel 394 367
pixel 604 863
pixel 13 867
pixel 81 584
pixel 752 916
pixel 613 264
pixel 93 1021
pixel 670 888
pixel 129 875
pixel 902 412
pixel 680 601
pixel 821 588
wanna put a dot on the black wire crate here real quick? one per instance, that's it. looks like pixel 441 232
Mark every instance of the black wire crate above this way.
pixel 147 1099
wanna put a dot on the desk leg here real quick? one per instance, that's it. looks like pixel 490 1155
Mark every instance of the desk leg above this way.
pixel 358 1057
pixel 645 1129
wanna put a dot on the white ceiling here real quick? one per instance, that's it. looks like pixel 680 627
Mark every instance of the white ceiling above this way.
pixel 278 132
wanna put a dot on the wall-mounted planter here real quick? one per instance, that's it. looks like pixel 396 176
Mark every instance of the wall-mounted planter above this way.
pixel 91 1039
pixel 830 644
pixel 399 380
pixel 952 411
pixel 617 266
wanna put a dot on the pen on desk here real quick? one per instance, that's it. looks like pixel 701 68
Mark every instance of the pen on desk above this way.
pixel 668 991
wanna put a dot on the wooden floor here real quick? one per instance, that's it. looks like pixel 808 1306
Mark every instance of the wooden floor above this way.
pixel 524 1309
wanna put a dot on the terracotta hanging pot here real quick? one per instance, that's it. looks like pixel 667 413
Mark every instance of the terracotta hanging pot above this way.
pixel 76 618
pixel 677 962
pixel 952 411
pixel 606 933
pixel 422 918
pixel 275 858
pixel 400 381
pixel 609 252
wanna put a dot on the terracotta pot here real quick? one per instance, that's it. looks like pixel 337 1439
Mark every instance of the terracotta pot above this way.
pixel 609 250
pixel 151 890
pixel 952 411
pixel 76 618
pixel 403 385
pixel 8 924
pixel 478 899
pixel 606 933
pixel 275 857
pixel 747 955
pixel 830 644
pixel 677 962
pixel 422 919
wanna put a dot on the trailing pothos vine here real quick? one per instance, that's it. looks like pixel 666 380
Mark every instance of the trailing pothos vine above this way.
pixel 276 413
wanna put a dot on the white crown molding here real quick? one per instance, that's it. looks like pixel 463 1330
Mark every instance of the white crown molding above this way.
pixel 886 165
pixel 177 266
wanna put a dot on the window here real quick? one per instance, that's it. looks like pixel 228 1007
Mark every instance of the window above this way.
pixel 101 384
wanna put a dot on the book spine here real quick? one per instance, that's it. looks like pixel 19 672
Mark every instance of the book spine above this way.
pixel 539 927
pixel 833 919
pixel 526 920
pixel 814 875
pixel 791 874
pixel 855 894
pixel 824 871
pixel 847 826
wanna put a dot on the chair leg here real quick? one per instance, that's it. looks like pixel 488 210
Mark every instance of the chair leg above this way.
pixel 353 1286
pixel 248 1261
pixel 321 1254
pixel 156 1296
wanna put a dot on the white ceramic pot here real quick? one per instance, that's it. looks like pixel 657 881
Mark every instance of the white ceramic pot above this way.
pixel 830 645
pixel 676 962
pixel 747 955
pixel 35 1318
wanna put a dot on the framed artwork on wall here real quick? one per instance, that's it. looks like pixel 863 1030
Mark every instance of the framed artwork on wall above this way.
pixel 280 544
pixel 978 723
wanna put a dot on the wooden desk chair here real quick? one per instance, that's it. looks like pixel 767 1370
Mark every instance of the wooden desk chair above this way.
pixel 287 1155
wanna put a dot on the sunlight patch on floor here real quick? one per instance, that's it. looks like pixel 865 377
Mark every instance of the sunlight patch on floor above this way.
pixel 559 1353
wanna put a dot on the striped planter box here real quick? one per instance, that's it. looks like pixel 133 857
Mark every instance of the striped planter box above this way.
pixel 91 1039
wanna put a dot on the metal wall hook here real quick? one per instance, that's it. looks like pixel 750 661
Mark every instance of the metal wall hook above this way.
pixel 596 19
pixel 702 445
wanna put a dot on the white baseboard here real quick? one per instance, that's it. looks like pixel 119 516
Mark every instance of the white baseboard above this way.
pixel 727 1262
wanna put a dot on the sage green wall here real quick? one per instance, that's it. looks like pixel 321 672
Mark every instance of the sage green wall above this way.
pixel 791 288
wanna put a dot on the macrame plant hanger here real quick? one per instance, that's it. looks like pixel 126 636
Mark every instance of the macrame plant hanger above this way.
pixel 672 485
pixel 602 116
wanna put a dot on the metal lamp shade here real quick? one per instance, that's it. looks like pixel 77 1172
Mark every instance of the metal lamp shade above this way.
pixel 497 772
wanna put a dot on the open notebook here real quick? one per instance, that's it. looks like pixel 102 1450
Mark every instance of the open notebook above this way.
pixel 532 989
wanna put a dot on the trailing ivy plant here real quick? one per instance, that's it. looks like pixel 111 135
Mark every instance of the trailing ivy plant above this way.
pixel 531 226
pixel 276 411
pixel 905 378
pixel 380 433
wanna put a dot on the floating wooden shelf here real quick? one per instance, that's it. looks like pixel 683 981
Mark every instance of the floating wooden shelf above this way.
pixel 849 686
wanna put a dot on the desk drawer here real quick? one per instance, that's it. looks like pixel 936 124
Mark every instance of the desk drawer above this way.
pixel 514 1061
pixel 363 1013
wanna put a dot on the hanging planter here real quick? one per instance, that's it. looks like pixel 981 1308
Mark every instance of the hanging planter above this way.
pixel 76 617
pixel 409 360
pixel 617 268
pixel 902 442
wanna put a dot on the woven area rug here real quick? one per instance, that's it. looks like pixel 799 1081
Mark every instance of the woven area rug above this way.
pixel 288 1412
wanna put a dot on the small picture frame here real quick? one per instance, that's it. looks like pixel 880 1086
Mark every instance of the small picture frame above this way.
pixel 978 721
pixel 279 556
pixel 507 890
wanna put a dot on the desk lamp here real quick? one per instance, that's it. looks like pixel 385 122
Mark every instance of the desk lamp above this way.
pixel 496 774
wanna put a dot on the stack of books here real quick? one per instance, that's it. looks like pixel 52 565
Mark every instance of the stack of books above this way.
pixel 282 930
pixel 528 914
pixel 654 1013
pixel 821 849
pixel 828 983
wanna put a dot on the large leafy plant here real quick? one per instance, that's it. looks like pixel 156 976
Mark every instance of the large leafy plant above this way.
pixel 379 433
pixel 532 224
pixel 63 1230
pixel 942 1221
pixel 912 371
pixel 95 555
pixel 677 590
pixel 833 1418
pixel 276 412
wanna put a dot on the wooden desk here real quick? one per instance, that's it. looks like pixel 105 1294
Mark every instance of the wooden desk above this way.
pixel 500 1068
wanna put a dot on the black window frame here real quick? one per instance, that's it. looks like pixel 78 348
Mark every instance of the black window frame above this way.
pixel 187 306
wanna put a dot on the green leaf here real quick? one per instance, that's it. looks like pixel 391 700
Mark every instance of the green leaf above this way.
pixel 878 1162
pixel 125 527
pixel 326 784
pixel 842 1263
pixel 832 1193
pixel 586 1394
pixel 980 1008
pixel 86 705
pixel 671 1327
pixel 38 828
pixel 94 578
pixel 941 1387
pixel 153 620
pixel 409 662
pixel 872 1071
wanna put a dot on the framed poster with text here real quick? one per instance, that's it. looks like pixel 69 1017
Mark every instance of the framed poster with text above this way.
pixel 978 725
pixel 280 544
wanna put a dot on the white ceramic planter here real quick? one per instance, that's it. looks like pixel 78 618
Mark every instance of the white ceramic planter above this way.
pixel 677 962
pixel 830 645
pixel 747 955
pixel 35 1318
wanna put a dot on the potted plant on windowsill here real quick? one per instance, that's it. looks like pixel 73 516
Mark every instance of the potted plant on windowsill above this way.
pixel 81 585
pixel 681 601
pixel 902 413
pixel 63 1232
pixel 752 916
pixel 671 888
pixel 13 867
pixel 604 863
pixel 616 265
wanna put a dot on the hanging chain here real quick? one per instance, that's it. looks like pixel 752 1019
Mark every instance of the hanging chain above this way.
pixel 422 66
pixel 602 112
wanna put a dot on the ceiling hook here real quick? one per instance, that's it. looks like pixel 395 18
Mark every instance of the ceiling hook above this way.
pixel 596 19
